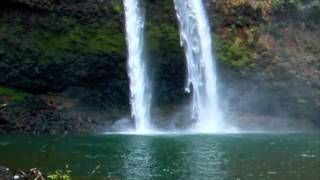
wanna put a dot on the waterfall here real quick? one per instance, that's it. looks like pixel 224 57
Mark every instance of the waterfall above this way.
pixel 140 95
pixel 195 36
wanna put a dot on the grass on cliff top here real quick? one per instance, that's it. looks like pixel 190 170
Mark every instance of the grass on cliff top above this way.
pixel 13 94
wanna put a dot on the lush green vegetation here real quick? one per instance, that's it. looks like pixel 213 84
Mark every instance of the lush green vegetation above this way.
pixel 105 37
pixel 50 44
pixel 13 94
pixel 236 51
pixel 58 39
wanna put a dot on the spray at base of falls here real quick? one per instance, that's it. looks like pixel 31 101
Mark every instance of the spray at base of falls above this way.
pixel 195 36
pixel 202 80
pixel 140 94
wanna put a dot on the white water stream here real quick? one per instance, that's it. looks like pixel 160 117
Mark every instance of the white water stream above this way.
pixel 140 93
pixel 195 35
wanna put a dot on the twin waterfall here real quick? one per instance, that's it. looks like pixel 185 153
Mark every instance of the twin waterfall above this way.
pixel 201 81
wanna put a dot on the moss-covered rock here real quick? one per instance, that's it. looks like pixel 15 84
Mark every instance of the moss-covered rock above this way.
pixel 10 94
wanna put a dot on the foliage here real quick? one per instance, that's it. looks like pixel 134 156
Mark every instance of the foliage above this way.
pixel 164 37
pixel 161 28
pixel 105 37
pixel 55 38
pixel 244 15
pixel 117 7
pixel 59 174
pixel 299 4
pixel 315 14
pixel 317 65
pixel 14 94
pixel 237 51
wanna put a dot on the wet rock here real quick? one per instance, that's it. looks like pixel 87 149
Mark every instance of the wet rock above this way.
pixel 4 173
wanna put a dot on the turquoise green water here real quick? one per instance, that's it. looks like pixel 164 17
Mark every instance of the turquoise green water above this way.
pixel 247 156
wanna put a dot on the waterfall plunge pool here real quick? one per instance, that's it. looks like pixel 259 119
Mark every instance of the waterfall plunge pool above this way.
pixel 171 156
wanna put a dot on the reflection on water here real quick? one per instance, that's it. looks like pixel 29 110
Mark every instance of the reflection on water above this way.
pixel 138 161
pixel 294 156
pixel 206 158
pixel 157 157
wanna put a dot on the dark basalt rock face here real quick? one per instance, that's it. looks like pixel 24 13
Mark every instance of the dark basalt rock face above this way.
pixel 60 50
pixel 63 63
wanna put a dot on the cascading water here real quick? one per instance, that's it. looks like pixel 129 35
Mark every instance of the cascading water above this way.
pixel 140 95
pixel 196 38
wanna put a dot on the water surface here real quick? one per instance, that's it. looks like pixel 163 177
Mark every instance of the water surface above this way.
pixel 245 156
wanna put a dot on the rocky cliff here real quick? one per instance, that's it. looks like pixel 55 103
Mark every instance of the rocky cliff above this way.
pixel 63 63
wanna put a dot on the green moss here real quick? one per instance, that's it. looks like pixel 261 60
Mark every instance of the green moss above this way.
pixel 299 4
pixel 269 71
pixel 317 65
pixel 117 7
pixel 161 30
pixel 312 48
pixel 235 52
pixel 106 39
pixel 238 47
pixel 14 94
pixel 81 39
pixel 164 36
